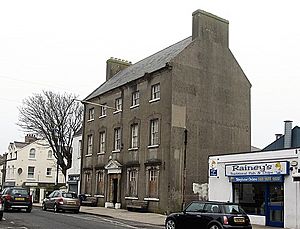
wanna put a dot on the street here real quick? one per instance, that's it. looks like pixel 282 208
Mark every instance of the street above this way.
pixel 50 220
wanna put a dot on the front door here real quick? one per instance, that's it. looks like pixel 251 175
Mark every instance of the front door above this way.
pixel 274 208
pixel 115 190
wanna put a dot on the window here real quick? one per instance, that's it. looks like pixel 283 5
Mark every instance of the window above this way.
pixel 134 136
pixel 117 145
pixel 91 114
pixel 154 139
pixel 100 182
pixel 13 170
pixel 49 172
pixel 103 110
pixel 132 182
pixel 118 104
pixel 30 173
pixel 32 153
pixel 50 154
pixel 90 144
pixel 155 92
pixel 79 148
pixel 153 182
pixel 195 207
pixel 102 142
pixel 88 186
pixel 135 98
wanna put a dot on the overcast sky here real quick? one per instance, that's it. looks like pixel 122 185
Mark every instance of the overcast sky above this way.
pixel 63 46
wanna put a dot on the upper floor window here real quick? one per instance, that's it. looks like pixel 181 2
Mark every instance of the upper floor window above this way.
pixel 91 114
pixel 135 98
pixel 134 135
pixel 117 140
pixel 154 134
pixel 155 92
pixel 30 172
pixel 32 153
pixel 49 172
pixel 50 154
pixel 118 104
pixel 103 110
pixel 90 144
pixel 102 142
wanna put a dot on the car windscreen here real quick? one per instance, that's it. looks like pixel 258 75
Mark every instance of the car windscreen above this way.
pixel 19 191
pixel 70 195
pixel 233 209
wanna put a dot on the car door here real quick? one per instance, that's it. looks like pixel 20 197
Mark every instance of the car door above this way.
pixel 47 200
pixel 211 212
pixel 52 199
pixel 192 217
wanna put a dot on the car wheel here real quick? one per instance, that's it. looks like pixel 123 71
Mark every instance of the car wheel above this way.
pixel 76 211
pixel 170 224
pixel 214 226
pixel 28 210
pixel 44 207
pixel 55 208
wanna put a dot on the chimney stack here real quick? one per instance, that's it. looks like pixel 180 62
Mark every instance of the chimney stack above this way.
pixel 29 138
pixel 287 134
pixel 114 65
pixel 209 27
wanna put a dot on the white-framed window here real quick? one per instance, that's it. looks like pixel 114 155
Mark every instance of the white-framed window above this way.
pixel 91 114
pixel 100 182
pixel 90 144
pixel 155 91
pixel 153 175
pixel 103 110
pixel 132 182
pixel 135 98
pixel 49 172
pixel 32 153
pixel 30 172
pixel 102 142
pixel 117 139
pixel 154 134
pixel 88 185
pixel 50 154
pixel 134 135
pixel 118 104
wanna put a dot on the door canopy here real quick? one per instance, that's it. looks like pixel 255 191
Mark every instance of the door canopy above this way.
pixel 113 167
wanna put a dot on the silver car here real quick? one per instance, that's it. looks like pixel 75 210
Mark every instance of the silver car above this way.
pixel 60 200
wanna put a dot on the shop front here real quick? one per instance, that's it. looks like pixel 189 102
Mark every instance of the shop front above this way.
pixel 262 183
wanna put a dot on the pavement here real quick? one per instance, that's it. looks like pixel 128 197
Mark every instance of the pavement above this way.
pixel 142 217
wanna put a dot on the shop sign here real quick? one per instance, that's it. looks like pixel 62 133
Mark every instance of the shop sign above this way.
pixel 256 179
pixel 258 169
pixel 73 178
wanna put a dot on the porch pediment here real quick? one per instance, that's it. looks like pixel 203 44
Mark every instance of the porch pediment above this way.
pixel 113 166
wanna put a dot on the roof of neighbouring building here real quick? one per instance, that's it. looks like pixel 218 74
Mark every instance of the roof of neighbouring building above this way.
pixel 21 144
pixel 139 69
pixel 279 143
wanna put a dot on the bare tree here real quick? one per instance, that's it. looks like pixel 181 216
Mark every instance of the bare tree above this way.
pixel 55 117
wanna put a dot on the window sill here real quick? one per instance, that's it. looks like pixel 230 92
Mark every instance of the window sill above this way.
pixel 117 111
pixel 101 196
pixel 48 176
pixel 134 106
pixel 88 155
pixel 102 153
pixel 153 146
pixel 30 178
pixel 116 151
pixel 133 149
pixel 154 100
pixel 32 159
pixel 90 120
pixel 131 198
pixel 102 116
pixel 50 159
pixel 151 199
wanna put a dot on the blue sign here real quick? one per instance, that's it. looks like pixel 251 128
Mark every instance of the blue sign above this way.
pixel 250 179
pixel 213 172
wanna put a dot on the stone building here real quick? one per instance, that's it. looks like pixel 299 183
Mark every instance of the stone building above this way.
pixel 160 118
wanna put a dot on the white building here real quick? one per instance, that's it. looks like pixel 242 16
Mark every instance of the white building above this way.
pixel 264 183
pixel 73 174
pixel 31 164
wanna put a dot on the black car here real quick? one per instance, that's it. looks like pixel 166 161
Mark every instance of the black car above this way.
pixel 209 215
pixel 16 198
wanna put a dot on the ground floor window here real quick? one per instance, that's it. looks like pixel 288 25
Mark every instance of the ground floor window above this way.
pixel 132 182
pixel 87 183
pixel 100 182
pixel 153 181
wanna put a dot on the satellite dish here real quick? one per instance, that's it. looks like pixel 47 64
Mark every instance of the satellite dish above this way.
pixel 20 171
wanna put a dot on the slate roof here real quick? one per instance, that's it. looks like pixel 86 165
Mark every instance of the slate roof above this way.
pixel 279 143
pixel 138 70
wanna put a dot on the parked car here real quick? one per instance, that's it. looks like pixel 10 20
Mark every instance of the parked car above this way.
pixel 16 198
pixel 1 209
pixel 209 215
pixel 60 200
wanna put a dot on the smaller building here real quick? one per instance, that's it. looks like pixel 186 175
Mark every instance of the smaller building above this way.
pixel 31 164
pixel 73 174
pixel 264 183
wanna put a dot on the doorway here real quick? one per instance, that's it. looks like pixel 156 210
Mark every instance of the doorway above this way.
pixel 115 190
pixel 275 203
